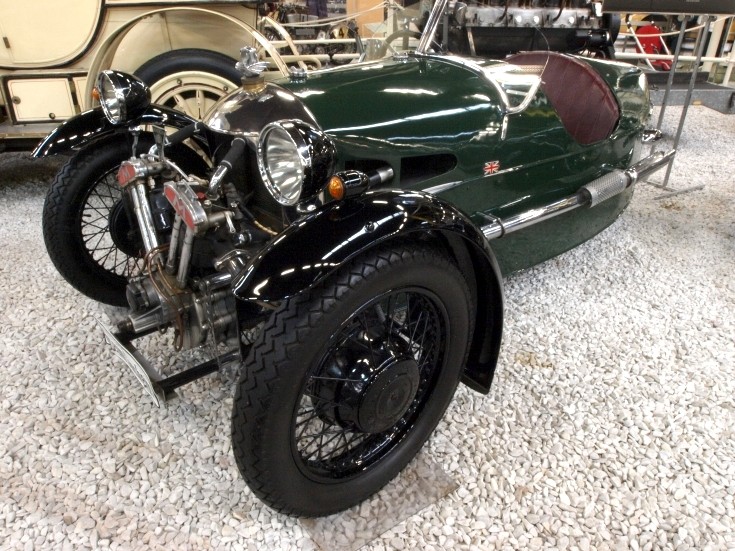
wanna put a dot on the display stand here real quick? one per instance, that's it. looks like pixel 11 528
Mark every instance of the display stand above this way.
pixel 699 49
pixel 421 484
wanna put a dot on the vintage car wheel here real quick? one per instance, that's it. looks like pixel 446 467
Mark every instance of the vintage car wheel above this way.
pixel 88 235
pixel 189 80
pixel 343 31
pixel 346 382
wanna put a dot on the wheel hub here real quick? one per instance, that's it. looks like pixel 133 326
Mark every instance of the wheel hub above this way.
pixel 378 389
pixel 386 396
pixel 125 237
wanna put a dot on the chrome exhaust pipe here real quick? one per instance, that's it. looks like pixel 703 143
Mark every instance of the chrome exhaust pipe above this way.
pixel 589 195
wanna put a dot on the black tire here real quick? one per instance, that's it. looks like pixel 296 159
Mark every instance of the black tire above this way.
pixel 343 31
pixel 189 80
pixel 94 255
pixel 300 380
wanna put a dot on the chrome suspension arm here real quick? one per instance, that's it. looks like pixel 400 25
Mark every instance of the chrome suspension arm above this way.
pixel 143 215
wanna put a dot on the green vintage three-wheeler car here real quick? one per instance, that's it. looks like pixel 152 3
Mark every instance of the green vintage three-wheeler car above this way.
pixel 342 236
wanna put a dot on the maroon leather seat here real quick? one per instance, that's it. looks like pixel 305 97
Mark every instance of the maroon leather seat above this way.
pixel 584 102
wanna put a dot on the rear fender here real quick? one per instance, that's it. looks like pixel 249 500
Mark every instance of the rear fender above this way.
pixel 93 125
pixel 320 243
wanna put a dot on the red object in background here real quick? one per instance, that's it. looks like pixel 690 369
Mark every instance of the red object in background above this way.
pixel 650 38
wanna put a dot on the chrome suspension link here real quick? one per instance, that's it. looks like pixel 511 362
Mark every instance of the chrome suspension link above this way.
pixel 173 246
pixel 143 214
pixel 185 260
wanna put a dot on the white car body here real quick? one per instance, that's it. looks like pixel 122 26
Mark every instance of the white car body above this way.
pixel 49 47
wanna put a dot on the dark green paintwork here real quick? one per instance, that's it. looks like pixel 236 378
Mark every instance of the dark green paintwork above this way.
pixel 391 110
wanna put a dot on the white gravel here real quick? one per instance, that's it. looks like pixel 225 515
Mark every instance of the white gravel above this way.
pixel 610 424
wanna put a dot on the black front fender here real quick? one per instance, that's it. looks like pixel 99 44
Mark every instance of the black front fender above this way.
pixel 320 243
pixel 92 125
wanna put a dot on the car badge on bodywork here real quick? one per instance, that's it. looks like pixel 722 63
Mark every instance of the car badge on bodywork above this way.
pixel 491 167
pixel 249 65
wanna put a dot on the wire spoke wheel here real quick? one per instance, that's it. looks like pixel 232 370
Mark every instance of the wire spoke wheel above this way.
pixel 105 231
pixel 90 236
pixel 363 396
pixel 346 382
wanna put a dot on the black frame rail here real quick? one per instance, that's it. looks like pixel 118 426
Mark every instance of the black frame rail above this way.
pixel 159 387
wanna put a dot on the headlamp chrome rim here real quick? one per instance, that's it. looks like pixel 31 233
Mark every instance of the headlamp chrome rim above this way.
pixel 299 155
pixel 297 167
pixel 105 83
pixel 122 96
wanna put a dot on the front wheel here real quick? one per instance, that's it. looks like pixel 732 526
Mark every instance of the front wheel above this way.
pixel 90 237
pixel 346 382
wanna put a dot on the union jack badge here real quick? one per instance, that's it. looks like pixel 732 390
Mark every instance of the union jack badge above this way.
pixel 491 167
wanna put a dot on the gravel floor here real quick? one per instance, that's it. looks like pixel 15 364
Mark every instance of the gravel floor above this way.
pixel 610 425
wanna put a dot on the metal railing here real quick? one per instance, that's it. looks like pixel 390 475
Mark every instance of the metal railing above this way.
pixel 716 54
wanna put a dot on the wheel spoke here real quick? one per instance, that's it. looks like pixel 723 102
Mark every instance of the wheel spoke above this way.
pixel 101 229
pixel 102 261
pixel 183 105
pixel 313 414
pixel 98 207
pixel 399 324
pixel 412 338
pixel 102 212
pixel 200 103
pixel 349 444
pixel 324 400
pixel 95 241
pixel 341 379
pixel 95 228
pixel 320 448
pixel 390 313
pixel 103 201
pixel 418 335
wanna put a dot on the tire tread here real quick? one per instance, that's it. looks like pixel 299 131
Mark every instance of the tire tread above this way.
pixel 255 394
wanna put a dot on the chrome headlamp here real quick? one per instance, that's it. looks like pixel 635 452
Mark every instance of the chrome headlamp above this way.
pixel 295 160
pixel 122 96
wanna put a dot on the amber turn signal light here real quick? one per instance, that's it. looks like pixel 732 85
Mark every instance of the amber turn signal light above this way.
pixel 336 188
pixel 347 183
pixel 95 94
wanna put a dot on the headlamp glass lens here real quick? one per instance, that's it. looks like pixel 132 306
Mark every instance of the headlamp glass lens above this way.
pixel 110 99
pixel 283 166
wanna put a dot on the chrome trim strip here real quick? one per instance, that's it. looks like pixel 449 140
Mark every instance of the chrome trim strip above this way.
pixel 498 228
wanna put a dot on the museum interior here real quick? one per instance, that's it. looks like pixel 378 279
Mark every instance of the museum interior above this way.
pixel 340 275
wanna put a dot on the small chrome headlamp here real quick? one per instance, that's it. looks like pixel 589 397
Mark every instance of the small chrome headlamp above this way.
pixel 122 96
pixel 295 160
